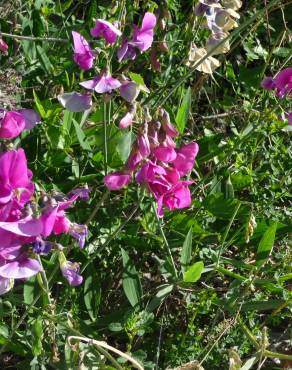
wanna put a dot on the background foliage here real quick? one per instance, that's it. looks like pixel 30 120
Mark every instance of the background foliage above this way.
pixel 227 291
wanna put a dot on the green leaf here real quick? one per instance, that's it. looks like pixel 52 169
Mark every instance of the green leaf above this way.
pixel 266 245
pixel 44 59
pixel 37 331
pixel 224 208
pixel 81 136
pixel 186 252
pixel 39 105
pixel 160 296
pixel 139 81
pixel 29 290
pixel 193 274
pixel 131 282
pixel 67 120
pixel 249 363
pixel 229 191
pixel 124 146
pixel 182 116
pixel 91 295
pixel 268 305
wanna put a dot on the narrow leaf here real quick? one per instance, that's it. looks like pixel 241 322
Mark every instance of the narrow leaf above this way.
pixel 81 136
pixel 131 281
pixel 159 297
pixel 186 252
pixel 193 274
pixel 182 116
pixel 266 245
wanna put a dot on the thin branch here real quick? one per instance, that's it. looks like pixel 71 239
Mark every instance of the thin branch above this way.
pixel 32 38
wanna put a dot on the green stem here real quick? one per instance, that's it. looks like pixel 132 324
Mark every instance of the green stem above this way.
pixel 105 138
pixel 31 38
pixel 165 240
pixel 227 231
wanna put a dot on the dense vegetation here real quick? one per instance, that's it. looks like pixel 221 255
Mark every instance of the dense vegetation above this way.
pixel 157 218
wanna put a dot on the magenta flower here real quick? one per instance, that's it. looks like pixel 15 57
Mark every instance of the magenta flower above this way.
pixel 3 46
pixel 143 37
pixel 134 159
pixel 164 153
pixel 70 271
pixel 104 83
pixel 83 55
pixel 185 158
pixel 106 30
pixel 117 180
pixel 179 196
pixel 11 124
pixel 144 145
pixel 75 102
pixel 283 82
pixel 16 186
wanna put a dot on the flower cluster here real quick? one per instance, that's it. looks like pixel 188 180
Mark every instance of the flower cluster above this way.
pixel 25 222
pixel 156 162
pixel 104 83
pixel 159 165
pixel 282 85
pixel 220 19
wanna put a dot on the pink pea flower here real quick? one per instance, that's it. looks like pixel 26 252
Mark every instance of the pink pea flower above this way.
pixel 83 55
pixel 143 37
pixel 70 271
pixel 149 172
pixel 178 197
pixel 169 129
pixel 3 46
pixel 104 83
pixel 283 82
pixel 11 124
pixel 117 180
pixel 165 153
pixel 134 160
pixel 143 145
pixel 185 158
pixel 127 120
pixel 106 30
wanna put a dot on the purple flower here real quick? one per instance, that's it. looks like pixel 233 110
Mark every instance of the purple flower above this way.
pixel 83 55
pixel 129 91
pixel 75 102
pixel 127 120
pixel 5 285
pixel 104 83
pixel 283 82
pixel 70 271
pixel 290 118
pixel 106 30
pixel 79 232
pixel 21 268
pixel 31 118
pixel 126 51
pixel 268 83
pixel 3 46
pixel 142 38
pixel 41 246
